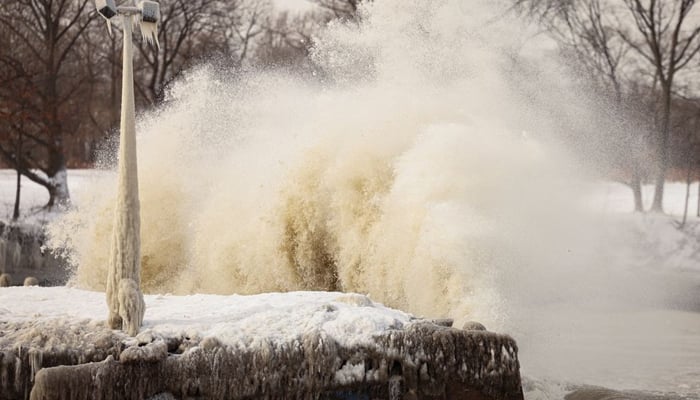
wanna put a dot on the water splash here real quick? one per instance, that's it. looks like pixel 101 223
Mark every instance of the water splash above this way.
pixel 404 174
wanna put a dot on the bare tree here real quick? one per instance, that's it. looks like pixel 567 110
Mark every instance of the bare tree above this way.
pixel 661 36
pixel 237 24
pixel 181 21
pixel 587 32
pixel 685 144
pixel 40 80
pixel 288 39
pixel 193 31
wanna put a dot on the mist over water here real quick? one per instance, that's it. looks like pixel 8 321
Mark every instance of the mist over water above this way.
pixel 419 167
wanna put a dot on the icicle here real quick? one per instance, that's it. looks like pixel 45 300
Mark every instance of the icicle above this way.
pixel 107 9
pixel 149 32
pixel 150 15
pixel 36 358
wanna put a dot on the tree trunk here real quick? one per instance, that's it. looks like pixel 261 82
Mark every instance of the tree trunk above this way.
pixel 660 181
pixel 636 186
pixel 56 171
pixel 698 211
pixel 687 192
pixel 58 189
pixel 662 150
pixel 59 194
pixel 18 158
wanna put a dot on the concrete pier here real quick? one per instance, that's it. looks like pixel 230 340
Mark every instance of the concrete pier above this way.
pixel 422 361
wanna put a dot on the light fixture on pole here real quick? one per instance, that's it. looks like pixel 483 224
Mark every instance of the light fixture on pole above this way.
pixel 124 296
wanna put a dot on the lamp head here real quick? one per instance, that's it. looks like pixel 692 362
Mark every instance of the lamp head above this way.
pixel 106 8
pixel 150 11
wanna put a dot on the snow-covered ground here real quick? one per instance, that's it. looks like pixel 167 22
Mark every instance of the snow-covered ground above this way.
pixel 33 197
pixel 616 198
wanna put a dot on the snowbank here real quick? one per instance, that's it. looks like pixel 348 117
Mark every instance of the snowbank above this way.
pixel 53 343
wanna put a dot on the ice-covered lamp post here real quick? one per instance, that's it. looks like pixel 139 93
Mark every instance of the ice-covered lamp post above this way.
pixel 124 296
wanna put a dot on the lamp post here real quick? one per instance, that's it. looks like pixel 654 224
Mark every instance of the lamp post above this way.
pixel 124 296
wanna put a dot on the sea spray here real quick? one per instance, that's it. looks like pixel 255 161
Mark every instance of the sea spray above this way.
pixel 413 172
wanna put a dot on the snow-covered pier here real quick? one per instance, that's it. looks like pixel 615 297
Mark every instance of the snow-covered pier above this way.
pixel 294 345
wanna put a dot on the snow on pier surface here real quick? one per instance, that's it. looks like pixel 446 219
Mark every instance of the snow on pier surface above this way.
pixel 234 320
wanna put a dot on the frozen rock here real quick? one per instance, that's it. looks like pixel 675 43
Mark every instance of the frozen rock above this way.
pixel 5 280
pixel 446 322
pixel 149 353
pixel 31 281
pixel 473 326
pixel 355 300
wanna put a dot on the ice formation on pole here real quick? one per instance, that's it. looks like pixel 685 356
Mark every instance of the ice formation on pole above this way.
pixel 148 21
pixel 149 33
pixel 124 297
